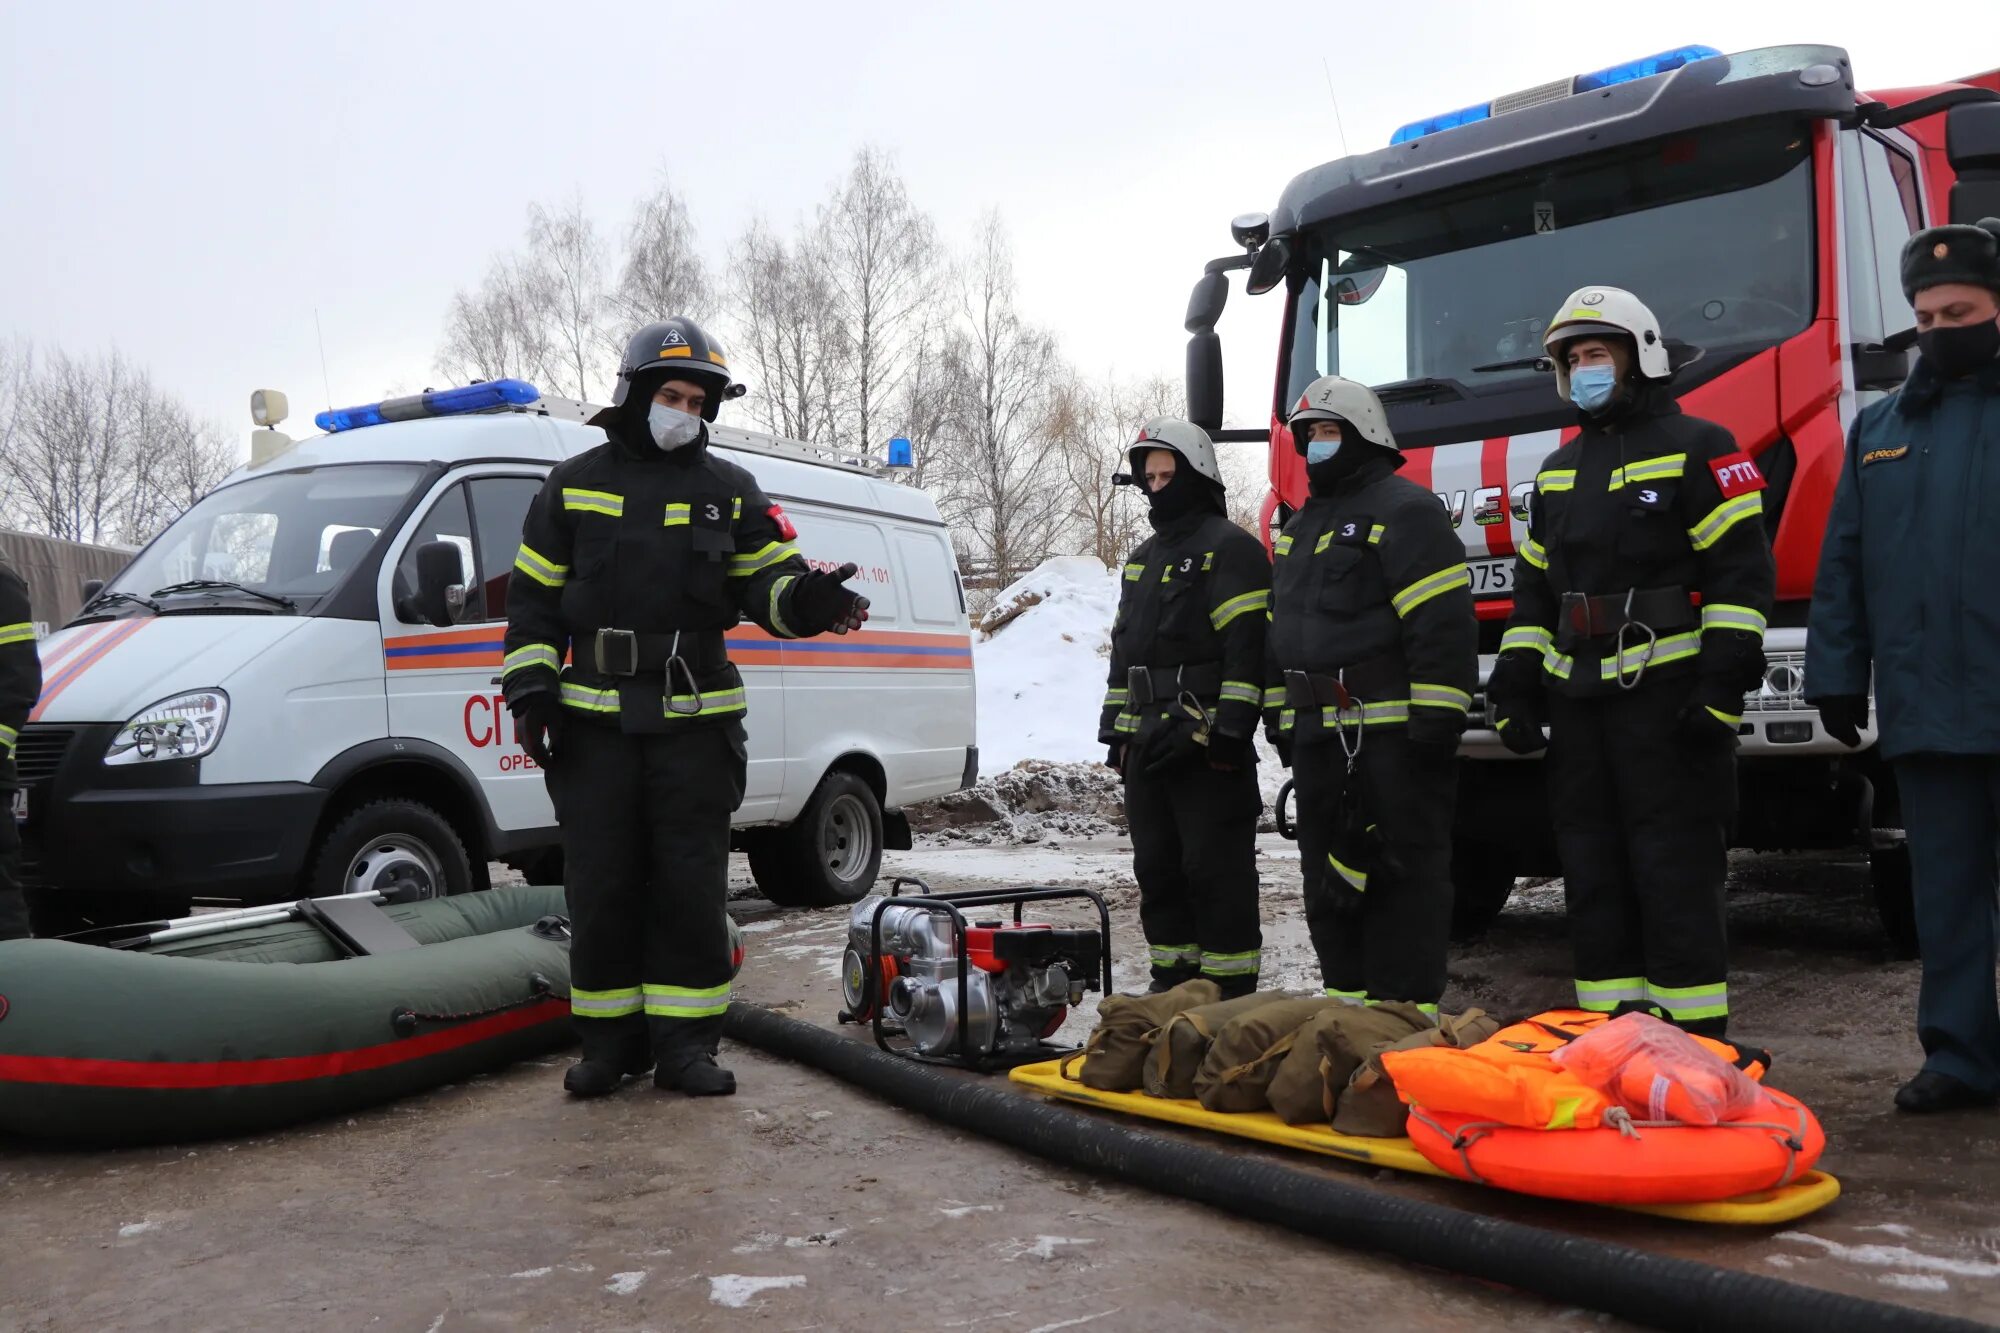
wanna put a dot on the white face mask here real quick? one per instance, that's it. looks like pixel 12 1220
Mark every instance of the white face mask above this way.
pixel 671 427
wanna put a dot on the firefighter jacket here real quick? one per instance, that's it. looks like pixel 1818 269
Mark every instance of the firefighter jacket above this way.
pixel 1655 518
pixel 1370 590
pixel 1908 575
pixel 634 562
pixel 20 666
pixel 1191 617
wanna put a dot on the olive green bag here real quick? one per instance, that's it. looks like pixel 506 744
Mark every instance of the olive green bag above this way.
pixel 1298 1090
pixel 1114 1058
pixel 1237 1070
pixel 1178 1047
pixel 1368 1105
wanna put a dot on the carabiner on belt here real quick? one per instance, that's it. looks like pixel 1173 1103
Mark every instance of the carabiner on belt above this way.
pixel 1652 638
pixel 681 705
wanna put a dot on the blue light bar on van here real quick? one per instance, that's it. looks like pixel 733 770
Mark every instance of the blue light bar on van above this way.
pixel 1663 63
pixel 440 403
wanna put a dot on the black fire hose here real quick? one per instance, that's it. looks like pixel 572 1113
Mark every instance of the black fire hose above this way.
pixel 1648 1289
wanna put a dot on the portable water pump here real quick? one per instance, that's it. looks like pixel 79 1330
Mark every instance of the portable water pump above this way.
pixel 980 992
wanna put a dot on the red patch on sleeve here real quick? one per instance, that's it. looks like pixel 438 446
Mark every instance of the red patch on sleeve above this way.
pixel 789 533
pixel 1736 474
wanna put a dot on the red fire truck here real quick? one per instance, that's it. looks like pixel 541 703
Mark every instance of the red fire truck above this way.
pixel 1758 202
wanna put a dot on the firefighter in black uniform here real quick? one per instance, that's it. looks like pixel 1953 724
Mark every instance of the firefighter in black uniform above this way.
pixel 1640 601
pixel 1372 661
pixel 1180 715
pixel 20 686
pixel 635 559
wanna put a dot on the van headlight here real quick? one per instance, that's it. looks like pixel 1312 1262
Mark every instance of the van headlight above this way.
pixel 1783 689
pixel 187 726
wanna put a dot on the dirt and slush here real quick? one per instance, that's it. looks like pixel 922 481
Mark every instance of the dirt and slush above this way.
pixel 804 1204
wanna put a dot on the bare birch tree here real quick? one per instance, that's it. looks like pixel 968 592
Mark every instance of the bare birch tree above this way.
pixel 494 332
pixel 663 273
pixel 566 262
pixel 790 339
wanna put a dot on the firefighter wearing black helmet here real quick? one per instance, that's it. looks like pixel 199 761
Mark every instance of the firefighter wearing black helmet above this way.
pixel 1372 662
pixel 1180 712
pixel 635 558
pixel 1639 612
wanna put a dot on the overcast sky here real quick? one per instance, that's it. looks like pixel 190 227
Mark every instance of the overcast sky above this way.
pixel 191 182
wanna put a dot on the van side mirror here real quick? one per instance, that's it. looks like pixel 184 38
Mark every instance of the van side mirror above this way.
pixel 92 587
pixel 440 583
pixel 1972 146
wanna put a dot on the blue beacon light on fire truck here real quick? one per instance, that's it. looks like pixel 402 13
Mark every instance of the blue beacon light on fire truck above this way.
pixel 1643 68
pixel 484 397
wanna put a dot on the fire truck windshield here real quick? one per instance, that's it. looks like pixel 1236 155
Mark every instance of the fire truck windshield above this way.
pixel 1446 297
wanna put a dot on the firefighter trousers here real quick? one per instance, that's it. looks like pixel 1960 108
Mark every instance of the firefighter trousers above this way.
pixel 1390 945
pixel 1194 853
pixel 1642 814
pixel 1951 813
pixel 645 831
pixel 13 906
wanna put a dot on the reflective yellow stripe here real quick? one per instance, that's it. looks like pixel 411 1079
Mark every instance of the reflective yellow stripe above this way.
pixel 1231 964
pixel 1534 554
pixel 686 1001
pixel 1173 955
pixel 1669 648
pixel 604 1003
pixel 1729 719
pixel 530 655
pixel 1356 879
pixel 742 566
pixel 1132 573
pixel 1603 996
pixel 591 701
pixel 1375 534
pixel 677 515
pixel 1282 546
pixel 593 502
pixel 1663 468
pixel 1439 696
pixel 1125 722
pixel 1558 664
pixel 1116 696
pixel 1367 715
pixel 1565 1116
pixel 1445 580
pixel 1239 692
pixel 1274 696
pixel 1556 479
pixel 1687 1003
pixel 1721 615
pixel 7 738
pixel 778 625
pixel 540 568
pixel 1533 638
pixel 712 702
pixel 1724 517
pixel 21 633
pixel 1347 996
pixel 1240 605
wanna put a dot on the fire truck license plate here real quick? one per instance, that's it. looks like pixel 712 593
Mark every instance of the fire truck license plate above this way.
pixel 1490 578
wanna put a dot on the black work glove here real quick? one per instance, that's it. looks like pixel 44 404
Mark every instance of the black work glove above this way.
pixel 1230 753
pixel 820 603
pixel 1520 725
pixel 1701 723
pixel 1843 716
pixel 538 719
pixel 1172 745
pixel 1434 731
pixel 1282 743
pixel 1114 758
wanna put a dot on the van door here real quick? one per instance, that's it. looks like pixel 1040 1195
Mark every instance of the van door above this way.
pixel 444 684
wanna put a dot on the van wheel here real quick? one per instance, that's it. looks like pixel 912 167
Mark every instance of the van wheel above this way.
pixel 1895 903
pixel 830 855
pixel 1482 879
pixel 398 847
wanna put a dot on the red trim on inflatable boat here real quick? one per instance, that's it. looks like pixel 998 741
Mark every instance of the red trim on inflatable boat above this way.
pixel 73 1071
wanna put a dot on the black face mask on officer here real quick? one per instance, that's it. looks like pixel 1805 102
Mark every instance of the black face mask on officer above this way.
pixel 1961 348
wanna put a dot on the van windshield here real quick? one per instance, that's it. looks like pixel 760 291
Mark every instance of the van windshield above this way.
pixel 291 535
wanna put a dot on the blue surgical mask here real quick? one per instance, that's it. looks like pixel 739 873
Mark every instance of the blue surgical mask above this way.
pixel 1319 451
pixel 1591 387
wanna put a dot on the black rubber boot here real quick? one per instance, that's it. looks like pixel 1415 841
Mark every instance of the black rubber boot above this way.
pixel 1236 987
pixel 1166 978
pixel 607 1059
pixel 698 1077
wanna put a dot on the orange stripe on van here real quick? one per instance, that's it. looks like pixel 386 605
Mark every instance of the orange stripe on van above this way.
pixel 69 675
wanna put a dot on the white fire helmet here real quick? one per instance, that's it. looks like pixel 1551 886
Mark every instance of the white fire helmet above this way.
pixel 1355 406
pixel 1602 310
pixel 1184 438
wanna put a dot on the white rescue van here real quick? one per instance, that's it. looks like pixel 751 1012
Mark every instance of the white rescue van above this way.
pixel 256 708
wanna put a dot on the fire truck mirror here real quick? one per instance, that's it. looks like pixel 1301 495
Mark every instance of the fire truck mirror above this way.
pixel 1972 146
pixel 1211 293
pixel 1270 266
pixel 1204 381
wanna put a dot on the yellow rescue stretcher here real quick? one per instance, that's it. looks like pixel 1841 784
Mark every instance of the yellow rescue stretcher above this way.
pixel 1808 1194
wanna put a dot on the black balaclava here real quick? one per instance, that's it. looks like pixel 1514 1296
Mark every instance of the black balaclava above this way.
pixel 1186 492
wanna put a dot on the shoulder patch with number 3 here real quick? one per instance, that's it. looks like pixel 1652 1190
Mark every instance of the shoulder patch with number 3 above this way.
pixel 1736 474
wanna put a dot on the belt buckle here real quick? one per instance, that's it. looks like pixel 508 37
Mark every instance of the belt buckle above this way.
pixel 1299 690
pixel 617 652
pixel 1138 685
pixel 1576 613
pixel 1343 698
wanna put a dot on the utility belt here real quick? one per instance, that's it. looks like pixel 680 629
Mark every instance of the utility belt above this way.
pixel 624 652
pixel 1146 685
pixel 1382 677
pixel 1582 617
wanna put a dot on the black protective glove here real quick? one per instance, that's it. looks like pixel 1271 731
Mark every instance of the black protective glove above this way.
pixel 1843 716
pixel 538 719
pixel 1434 730
pixel 1700 723
pixel 820 603
pixel 1114 758
pixel 1282 742
pixel 1520 726
pixel 1230 753
pixel 1172 745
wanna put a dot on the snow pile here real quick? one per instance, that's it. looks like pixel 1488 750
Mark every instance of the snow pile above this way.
pixel 1032 801
pixel 1041 668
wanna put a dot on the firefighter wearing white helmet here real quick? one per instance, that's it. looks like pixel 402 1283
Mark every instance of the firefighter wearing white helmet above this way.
pixel 1371 664
pixel 1180 712
pixel 1639 611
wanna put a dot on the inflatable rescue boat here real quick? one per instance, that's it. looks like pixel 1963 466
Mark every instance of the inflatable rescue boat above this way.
pixel 200 1030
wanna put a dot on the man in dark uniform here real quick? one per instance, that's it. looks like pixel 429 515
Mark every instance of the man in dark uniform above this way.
pixel 1640 601
pixel 1187 665
pixel 635 559
pixel 20 686
pixel 1907 583
pixel 1372 660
